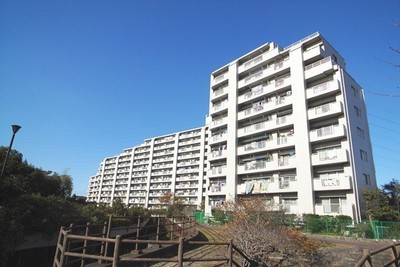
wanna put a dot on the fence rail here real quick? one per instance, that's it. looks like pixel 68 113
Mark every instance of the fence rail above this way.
pixel 367 258
pixel 78 244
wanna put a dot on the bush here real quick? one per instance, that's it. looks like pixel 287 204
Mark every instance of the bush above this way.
pixel 313 223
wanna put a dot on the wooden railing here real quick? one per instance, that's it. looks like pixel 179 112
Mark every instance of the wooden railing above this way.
pixel 368 256
pixel 78 244
pixel 82 242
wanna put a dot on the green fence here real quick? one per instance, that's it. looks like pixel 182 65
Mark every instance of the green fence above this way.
pixel 199 215
pixel 335 225
pixel 385 230
pixel 346 227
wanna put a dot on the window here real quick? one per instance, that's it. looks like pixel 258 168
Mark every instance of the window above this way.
pixel 288 203
pixel 355 91
pixel 360 133
pixel 363 155
pixel 358 112
pixel 333 205
pixel 367 178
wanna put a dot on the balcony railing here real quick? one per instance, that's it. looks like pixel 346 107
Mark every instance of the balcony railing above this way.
pixel 269 124
pixel 325 109
pixel 329 155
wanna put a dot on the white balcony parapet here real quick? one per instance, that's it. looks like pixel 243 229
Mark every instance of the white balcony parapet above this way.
pixel 219 106
pixel 338 181
pixel 322 88
pixel 269 124
pixel 329 155
pixel 319 67
pixel 264 106
pixel 325 109
pixel 328 132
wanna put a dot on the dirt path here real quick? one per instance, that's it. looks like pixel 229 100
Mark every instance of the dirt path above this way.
pixel 206 233
pixel 347 251
pixel 344 251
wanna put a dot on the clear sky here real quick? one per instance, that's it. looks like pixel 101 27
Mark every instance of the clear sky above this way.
pixel 86 79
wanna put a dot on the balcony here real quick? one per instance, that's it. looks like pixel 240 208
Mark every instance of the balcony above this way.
pixel 262 74
pixel 188 170
pixel 220 78
pixel 165 139
pixel 266 125
pixel 218 122
pixel 322 67
pixel 280 142
pixel 217 154
pixel 323 88
pixel 217 190
pixel 189 134
pixel 189 148
pixel 187 177
pixel 219 93
pixel 330 156
pixel 164 172
pixel 220 106
pixel 217 171
pixel 188 163
pixel 266 186
pixel 161 166
pixel 261 107
pixel 329 109
pixel 328 132
pixel 187 185
pixel 335 182
pixel 189 155
pixel 314 52
pixel 218 138
pixel 254 92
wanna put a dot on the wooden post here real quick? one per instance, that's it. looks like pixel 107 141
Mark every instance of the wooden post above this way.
pixel 395 256
pixel 230 253
pixel 172 228
pixel 103 243
pixel 85 242
pixel 108 234
pixel 56 255
pixel 137 233
pixel 368 263
pixel 180 252
pixel 116 251
pixel 68 243
pixel 158 230
pixel 64 248
pixel 183 226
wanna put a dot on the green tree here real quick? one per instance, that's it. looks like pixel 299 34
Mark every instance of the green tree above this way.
pixel 377 206
pixel 392 191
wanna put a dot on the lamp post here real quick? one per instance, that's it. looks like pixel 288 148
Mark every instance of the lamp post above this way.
pixel 15 129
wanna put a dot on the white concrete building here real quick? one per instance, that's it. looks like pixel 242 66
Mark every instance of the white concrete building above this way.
pixel 288 124
pixel 141 175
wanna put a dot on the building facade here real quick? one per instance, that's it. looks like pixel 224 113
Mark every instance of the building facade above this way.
pixel 286 124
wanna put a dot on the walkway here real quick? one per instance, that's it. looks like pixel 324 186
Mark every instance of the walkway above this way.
pixel 206 233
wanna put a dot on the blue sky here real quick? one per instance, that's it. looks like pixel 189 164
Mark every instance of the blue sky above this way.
pixel 86 79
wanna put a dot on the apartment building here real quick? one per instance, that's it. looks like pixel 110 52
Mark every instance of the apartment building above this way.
pixel 141 175
pixel 286 124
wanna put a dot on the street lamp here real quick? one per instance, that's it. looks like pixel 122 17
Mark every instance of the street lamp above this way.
pixel 15 129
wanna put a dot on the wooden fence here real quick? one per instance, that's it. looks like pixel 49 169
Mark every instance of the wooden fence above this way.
pixel 80 245
pixel 368 256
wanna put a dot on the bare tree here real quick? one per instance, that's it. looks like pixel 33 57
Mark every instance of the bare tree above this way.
pixel 257 228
